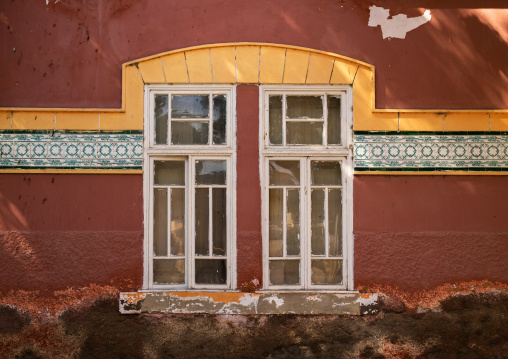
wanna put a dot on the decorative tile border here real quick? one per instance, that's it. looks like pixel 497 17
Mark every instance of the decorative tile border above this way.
pixel 71 150
pixel 380 151
pixel 431 151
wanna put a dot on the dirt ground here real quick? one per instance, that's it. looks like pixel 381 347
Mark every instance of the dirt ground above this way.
pixel 87 324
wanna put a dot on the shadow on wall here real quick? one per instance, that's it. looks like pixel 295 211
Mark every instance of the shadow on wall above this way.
pixel 457 60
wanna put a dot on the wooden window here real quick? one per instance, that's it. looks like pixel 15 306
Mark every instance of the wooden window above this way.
pixel 189 194
pixel 307 187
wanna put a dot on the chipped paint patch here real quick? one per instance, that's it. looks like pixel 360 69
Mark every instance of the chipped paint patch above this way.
pixel 277 301
pixel 397 26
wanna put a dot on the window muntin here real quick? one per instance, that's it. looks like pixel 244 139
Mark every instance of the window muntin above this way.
pixel 303 120
pixel 307 187
pixel 182 118
pixel 189 186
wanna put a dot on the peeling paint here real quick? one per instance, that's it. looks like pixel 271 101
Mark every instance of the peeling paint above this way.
pixel 397 26
pixel 277 301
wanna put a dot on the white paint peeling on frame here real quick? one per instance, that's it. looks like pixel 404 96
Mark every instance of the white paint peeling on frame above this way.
pixel 397 26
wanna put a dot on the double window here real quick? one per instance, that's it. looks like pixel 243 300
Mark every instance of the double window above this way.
pixel 306 179
pixel 189 162
pixel 307 173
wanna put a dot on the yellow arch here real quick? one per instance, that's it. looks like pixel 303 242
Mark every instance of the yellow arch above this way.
pixel 257 63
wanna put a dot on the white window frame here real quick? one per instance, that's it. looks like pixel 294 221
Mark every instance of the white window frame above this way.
pixel 189 153
pixel 306 153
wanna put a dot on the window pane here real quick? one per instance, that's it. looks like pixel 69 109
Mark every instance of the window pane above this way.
pixel 284 173
pixel 169 173
pixel 189 133
pixel 275 120
pixel 304 107
pixel 317 218
pixel 169 271
pixel 178 221
pixel 219 119
pixel 333 120
pixel 160 221
pixel 210 172
pixel 293 222
pixel 304 133
pixel 193 106
pixel 275 222
pixel 326 271
pixel 211 271
pixel 161 119
pixel 201 221
pixel 284 272
pixel 325 173
pixel 219 233
pixel 335 221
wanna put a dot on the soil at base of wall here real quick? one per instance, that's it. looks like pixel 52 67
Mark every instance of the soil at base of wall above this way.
pixel 462 326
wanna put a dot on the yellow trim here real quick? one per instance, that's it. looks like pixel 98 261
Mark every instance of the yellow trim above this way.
pixel 70 171
pixel 246 62
pixel 430 173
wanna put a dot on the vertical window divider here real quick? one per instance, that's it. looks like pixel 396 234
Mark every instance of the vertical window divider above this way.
pixel 210 118
pixel 169 190
pixel 327 224
pixel 284 221
pixel 170 100
pixel 283 120
pixel 325 119
pixel 210 222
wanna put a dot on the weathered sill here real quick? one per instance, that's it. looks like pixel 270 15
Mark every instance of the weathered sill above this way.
pixel 261 303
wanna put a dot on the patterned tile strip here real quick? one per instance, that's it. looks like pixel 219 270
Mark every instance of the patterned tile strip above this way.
pixel 371 151
pixel 431 151
pixel 71 150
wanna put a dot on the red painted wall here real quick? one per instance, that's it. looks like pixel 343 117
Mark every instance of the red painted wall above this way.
pixel 61 230
pixel 74 51
pixel 249 241
pixel 417 232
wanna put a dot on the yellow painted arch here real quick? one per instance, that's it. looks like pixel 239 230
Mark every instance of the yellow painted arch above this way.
pixel 257 63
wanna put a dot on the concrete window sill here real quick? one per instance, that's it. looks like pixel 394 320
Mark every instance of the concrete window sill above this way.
pixel 262 303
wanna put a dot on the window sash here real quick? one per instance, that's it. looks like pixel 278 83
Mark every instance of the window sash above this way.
pixel 305 256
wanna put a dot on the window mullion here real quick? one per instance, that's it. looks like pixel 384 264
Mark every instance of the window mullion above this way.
pixel 284 120
pixel 210 220
pixel 190 238
pixel 327 230
pixel 325 118
pixel 168 239
pixel 168 140
pixel 284 221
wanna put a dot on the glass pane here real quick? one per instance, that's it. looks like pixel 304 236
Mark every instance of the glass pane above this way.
pixel 317 218
pixel 169 173
pixel 275 222
pixel 325 173
pixel 193 106
pixel 219 223
pixel 189 133
pixel 201 221
pixel 275 120
pixel 210 172
pixel 284 272
pixel 219 119
pixel 333 120
pixel 304 133
pixel 211 271
pixel 335 221
pixel 284 173
pixel 293 222
pixel 161 119
pixel 169 271
pixel 326 271
pixel 160 221
pixel 304 106
pixel 178 221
